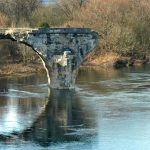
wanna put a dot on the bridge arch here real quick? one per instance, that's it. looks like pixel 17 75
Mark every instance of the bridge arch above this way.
pixel 61 50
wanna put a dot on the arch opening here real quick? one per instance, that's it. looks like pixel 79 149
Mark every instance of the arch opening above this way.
pixel 18 54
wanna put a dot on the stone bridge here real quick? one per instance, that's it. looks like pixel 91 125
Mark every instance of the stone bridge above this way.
pixel 61 50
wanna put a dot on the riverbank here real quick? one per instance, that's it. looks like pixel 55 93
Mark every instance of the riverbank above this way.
pixel 108 60
pixel 114 60
pixel 20 70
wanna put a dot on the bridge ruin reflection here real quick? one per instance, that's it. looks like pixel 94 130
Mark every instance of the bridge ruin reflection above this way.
pixel 61 120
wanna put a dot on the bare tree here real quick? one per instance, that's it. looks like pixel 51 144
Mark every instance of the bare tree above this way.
pixel 18 10
pixel 69 6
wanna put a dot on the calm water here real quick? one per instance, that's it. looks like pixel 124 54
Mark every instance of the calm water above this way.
pixel 109 110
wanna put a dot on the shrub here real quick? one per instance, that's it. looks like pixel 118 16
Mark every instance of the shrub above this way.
pixel 52 15
pixel 44 25
pixel 4 21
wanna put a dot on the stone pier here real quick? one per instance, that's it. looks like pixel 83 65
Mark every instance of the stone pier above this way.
pixel 61 50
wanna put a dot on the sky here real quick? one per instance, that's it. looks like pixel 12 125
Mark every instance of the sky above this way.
pixel 49 1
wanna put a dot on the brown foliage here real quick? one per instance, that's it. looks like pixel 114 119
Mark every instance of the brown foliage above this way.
pixel 124 25
pixel 4 21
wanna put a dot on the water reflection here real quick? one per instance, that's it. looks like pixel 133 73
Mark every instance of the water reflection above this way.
pixel 4 86
pixel 20 104
pixel 62 120
pixel 109 110
pixel 62 117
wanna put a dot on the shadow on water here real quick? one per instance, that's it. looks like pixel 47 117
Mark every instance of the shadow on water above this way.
pixel 62 120
pixel 4 86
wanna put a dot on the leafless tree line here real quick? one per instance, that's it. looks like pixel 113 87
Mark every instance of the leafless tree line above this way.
pixel 18 10
pixel 32 12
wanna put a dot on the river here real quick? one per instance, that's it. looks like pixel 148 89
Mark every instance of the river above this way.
pixel 109 110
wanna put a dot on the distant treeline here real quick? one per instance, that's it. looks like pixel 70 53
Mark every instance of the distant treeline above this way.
pixel 123 25
pixel 33 13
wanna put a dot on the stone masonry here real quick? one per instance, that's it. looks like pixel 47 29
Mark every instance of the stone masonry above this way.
pixel 62 50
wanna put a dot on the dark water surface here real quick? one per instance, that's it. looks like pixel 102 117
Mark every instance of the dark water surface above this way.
pixel 109 110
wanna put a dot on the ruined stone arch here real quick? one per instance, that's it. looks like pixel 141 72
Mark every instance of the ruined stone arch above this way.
pixel 10 38
pixel 61 50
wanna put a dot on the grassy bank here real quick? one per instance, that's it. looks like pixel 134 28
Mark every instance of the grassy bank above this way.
pixel 103 60
pixel 114 60
pixel 20 70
